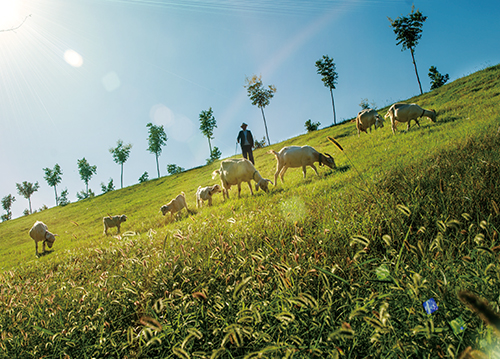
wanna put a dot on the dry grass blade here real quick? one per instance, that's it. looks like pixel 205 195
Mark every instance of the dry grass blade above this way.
pixel 332 140
pixel 150 323
pixel 481 308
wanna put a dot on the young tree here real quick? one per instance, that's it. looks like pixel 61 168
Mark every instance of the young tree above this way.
pixel 311 126
pixel 86 172
pixel 26 189
pixel 214 155
pixel 207 125
pixel 157 138
pixel 326 68
pixel 6 205
pixel 110 187
pixel 63 198
pixel 83 195
pixel 53 178
pixel 260 144
pixel 437 80
pixel 174 169
pixel 144 177
pixel 120 155
pixel 408 32
pixel 260 96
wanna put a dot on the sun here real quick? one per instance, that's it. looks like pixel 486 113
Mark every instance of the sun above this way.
pixel 9 14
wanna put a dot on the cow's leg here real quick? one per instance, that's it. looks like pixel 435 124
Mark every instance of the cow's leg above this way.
pixel 250 186
pixel 304 171
pixel 278 170
pixel 282 174
pixel 118 229
pixel 36 248
pixel 315 170
pixel 393 125
pixel 209 200
pixel 43 246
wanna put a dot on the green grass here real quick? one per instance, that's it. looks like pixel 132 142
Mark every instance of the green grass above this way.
pixel 332 266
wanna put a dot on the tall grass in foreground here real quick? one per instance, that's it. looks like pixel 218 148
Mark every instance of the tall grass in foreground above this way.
pixel 316 268
pixel 219 287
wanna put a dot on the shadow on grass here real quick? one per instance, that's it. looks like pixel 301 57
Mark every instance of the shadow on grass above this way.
pixel 45 253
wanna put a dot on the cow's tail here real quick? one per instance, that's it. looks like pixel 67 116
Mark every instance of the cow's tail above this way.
pixel 215 174
pixel 273 152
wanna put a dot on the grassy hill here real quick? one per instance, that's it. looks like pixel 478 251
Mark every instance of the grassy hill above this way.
pixel 330 266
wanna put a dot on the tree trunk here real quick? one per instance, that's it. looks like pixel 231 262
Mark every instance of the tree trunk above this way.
pixel 157 166
pixel 333 105
pixel 209 146
pixel 55 190
pixel 29 201
pixel 265 125
pixel 416 72
pixel 122 177
pixel 87 186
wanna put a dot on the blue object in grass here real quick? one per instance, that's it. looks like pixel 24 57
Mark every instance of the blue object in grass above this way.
pixel 430 306
pixel 458 325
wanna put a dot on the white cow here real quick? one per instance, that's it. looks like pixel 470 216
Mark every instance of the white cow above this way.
pixel 233 171
pixel 40 233
pixel 295 156
pixel 403 112
pixel 366 119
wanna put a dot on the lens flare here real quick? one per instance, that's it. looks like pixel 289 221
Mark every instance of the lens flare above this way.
pixel 73 58
pixel 9 13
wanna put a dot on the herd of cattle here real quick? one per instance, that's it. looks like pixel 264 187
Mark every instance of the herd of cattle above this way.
pixel 234 171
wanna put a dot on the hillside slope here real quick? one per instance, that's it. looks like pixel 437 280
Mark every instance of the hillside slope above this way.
pixel 336 264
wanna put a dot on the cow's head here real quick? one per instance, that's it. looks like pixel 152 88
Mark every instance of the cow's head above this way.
pixel 327 160
pixel 263 183
pixel 50 238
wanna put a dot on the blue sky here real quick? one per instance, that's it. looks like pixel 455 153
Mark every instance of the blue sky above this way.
pixel 165 61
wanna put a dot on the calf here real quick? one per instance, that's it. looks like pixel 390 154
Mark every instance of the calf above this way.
pixel 114 221
pixel 205 194
pixel 175 205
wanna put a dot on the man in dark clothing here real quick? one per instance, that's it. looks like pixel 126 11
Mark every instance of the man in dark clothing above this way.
pixel 245 139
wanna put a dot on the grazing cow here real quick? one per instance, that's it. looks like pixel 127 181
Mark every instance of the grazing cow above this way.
pixel 295 156
pixel 40 233
pixel 205 194
pixel 403 112
pixel 236 170
pixel 175 205
pixel 114 221
pixel 366 119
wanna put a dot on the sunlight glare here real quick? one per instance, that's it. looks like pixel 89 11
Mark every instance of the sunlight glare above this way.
pixel 72 57
pixel 9 13
pixel 111 81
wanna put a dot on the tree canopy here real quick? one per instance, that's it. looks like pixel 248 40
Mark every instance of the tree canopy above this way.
pixel 408 31
pixel 437 79
pixel 6 205
pixel 86 172
pixel 326 68
pixel 53 178
pixel 26 189
pixel 120 155
pixel 157 138
pixel 260 96
pixel 207 125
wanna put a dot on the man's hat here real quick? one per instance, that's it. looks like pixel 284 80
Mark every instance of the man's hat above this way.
pixel 243 125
